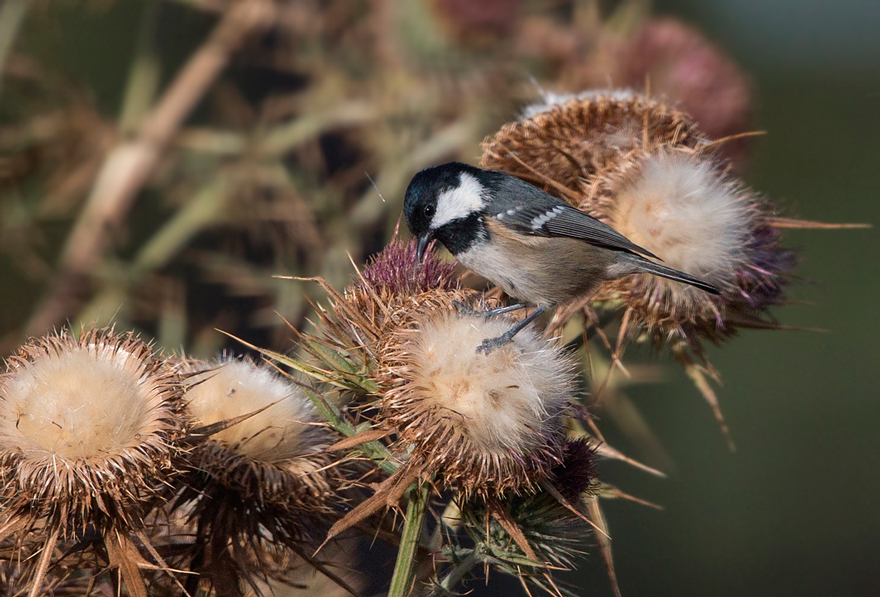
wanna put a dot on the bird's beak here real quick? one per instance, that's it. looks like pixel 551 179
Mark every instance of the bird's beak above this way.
pixel 424 241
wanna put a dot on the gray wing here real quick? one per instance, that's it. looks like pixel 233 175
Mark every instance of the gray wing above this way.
pixel 529 210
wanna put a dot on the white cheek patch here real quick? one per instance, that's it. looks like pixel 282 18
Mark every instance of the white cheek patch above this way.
pixel 460 202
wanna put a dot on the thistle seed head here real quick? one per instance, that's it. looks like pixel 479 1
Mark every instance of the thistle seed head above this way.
pixel 646 170
pixel 88 428
pixel 486 424
pixel 684 207
pixel 274 455
pixel 562 143
pixel 258 485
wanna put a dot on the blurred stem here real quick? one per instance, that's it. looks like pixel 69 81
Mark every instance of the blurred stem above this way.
pixel 284 138
pixel 457 573
pixel 12 15
pixel 130 165
pixel 404 568
pixel 200 212
pixel 143 78
pixel 173 320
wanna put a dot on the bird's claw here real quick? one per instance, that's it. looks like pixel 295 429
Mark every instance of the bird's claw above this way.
pixel 465 310
pixel 490 344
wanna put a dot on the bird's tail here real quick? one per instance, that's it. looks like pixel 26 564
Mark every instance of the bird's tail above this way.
pixel 641 265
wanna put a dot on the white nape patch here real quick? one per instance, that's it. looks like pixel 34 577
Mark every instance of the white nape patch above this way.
pixel 550 100
pixel 539 221
pixel 459 202
pixel 680 208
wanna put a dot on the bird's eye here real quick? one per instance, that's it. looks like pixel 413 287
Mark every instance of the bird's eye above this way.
pixel 429 211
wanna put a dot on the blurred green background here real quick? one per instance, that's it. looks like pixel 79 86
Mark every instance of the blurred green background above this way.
pixel 794 510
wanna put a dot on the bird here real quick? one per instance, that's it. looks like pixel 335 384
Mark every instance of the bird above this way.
pixel 540 250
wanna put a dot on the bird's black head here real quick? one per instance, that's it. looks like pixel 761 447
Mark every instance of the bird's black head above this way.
pixel 445 202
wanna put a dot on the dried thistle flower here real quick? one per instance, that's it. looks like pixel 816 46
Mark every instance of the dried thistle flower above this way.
pixel 681 65
pixel 282 433
pixel 88 428
pixel 397 271
pixel 258 482
pixel 487 425
pixel 647 171
pixel 561 143
pixel 698 217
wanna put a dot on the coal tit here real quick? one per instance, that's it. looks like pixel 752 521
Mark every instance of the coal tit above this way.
pixel 537 248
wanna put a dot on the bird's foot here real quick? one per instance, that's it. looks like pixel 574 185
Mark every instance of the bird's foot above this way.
pixel 490 344
pixel 467 311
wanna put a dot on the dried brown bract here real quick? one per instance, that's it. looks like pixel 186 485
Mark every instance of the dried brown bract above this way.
pixel 562 143
pixel 88 432
pixel 259 480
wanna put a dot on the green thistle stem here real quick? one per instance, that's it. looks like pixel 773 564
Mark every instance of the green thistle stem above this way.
pixel 404 568
pixel 457 573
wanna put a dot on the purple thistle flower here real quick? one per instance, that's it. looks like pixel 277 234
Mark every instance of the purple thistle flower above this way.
pixel 397 269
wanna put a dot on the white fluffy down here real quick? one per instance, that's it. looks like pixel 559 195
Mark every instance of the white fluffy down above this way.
pixel 679 208
pixel 550 100
pixel 79 404
pixel 507 400
pixel 234 388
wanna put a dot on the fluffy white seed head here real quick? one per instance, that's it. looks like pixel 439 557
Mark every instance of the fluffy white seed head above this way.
pixel 87 424
pixel 678 206
pixel 506 401
pixel 85 403
pixel 238 387
pixel 487 425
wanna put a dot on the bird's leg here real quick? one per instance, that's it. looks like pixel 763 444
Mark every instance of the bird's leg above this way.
pixel 490 344
pixel 465 310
